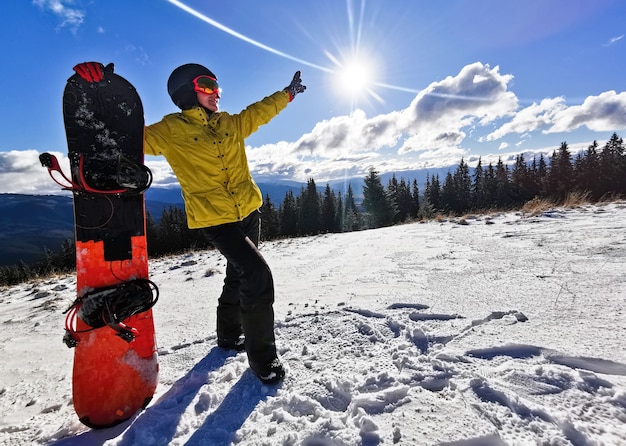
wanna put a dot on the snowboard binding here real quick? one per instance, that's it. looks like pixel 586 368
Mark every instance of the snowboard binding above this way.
pixel 120 177
pixel 110 306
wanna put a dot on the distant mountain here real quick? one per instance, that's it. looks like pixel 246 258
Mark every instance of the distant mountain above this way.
pixel 32 223
pixel 276 191
pixel 160 194
pixel 408 176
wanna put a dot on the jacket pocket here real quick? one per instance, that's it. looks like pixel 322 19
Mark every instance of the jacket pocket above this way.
pixel 250 195
pixel 210 208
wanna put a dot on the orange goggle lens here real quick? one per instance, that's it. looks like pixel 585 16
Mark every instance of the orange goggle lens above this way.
pixel 206 84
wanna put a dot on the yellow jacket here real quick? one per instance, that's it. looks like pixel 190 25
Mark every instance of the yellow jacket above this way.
pixel 207 155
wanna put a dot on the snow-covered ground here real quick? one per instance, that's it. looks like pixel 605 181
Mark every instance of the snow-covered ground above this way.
pixel 510 329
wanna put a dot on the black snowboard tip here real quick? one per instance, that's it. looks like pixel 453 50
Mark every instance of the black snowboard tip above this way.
pixel 88 423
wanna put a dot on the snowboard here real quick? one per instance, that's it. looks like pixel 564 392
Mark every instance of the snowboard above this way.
pixel 110 324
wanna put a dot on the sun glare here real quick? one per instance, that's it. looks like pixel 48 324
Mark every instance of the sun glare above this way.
pixel 354 77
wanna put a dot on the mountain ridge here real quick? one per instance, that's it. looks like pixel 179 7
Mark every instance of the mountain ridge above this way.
pixel 33 224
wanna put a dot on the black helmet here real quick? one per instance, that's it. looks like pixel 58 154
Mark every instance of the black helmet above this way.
pixel 180 84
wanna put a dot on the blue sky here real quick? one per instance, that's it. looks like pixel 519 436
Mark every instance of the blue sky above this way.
pixel 431 81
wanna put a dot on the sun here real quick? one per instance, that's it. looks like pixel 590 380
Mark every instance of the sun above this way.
pixel 354 77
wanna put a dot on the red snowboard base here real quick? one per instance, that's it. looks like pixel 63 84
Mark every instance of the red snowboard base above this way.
pixel 114 379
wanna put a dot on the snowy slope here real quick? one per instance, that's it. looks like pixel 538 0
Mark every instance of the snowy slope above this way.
pixel 507 330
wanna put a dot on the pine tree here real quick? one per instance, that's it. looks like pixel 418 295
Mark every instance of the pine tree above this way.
pixel 352 216
pixel 415 200
pixel 309 212
pixel 339 214
pixel 432 193
pixel 329 205
pixel 399 193
pixel 522 185
pixel 270 227
pixel 613 166
pixel 67 255
pixel 479 192
pixel 152 236
pixel 376 201
pixel 463 188
pixel 174 235
pixel 404 201
pixel 435 193
pixel 561 173
pixel 618 145
pixel 392 193
pixel 587 171
pixel 491 187
pixel 503 185
pixel 448 194
pixel 288 215
pixel 534 186
pixel 541 176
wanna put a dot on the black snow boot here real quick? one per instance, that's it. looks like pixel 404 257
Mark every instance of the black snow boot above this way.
pixel 238 345
pixel 269 373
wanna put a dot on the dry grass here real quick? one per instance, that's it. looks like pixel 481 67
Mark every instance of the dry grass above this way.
pixel 532 208
pixel 538 205
pixel 576 199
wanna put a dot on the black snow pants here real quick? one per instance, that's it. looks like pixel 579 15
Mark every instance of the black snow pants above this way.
pixel 246 303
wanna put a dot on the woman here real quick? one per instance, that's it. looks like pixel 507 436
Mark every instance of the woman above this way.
pixel 206 150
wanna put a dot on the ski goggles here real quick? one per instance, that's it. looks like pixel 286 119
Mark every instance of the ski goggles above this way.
pixel 206 84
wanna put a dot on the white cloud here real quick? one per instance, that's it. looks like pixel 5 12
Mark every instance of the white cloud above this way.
pixel 162 173
pixel 348 135
pixel 437 116
pixel 603 113
pixel 21 172
pixel 433 121
pixel 138 53
pixel 614 40
pixel 477 92
pixel 291 161
pixel 70 17
pixel 532 118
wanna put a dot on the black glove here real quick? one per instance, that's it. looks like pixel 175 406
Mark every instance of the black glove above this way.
pixel 295 86
pixel 92 71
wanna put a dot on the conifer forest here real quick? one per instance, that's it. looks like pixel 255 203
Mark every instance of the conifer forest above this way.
pixel 597 173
